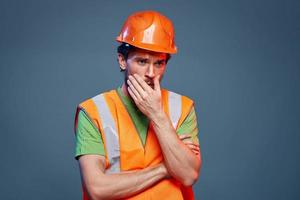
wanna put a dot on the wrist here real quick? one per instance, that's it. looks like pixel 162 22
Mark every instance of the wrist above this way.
pixel 158 117
pixel 163 171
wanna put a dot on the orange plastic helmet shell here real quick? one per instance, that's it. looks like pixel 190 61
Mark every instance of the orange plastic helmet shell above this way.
pixel 149 30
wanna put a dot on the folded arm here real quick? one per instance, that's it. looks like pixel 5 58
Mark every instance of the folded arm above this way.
pixel 180 161
pixel 115 186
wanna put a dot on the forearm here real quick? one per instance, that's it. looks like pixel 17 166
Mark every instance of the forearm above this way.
pixel 181 163
pixel 122 185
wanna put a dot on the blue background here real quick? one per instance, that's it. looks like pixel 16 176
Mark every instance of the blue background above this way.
pixel 239 61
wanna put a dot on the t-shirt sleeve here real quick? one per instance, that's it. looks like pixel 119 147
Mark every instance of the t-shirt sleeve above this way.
pixel 88 137
pixel 189 126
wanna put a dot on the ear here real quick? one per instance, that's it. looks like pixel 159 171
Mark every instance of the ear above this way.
pixel 122 61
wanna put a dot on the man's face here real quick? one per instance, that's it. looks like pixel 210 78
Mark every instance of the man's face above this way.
pixel 147 64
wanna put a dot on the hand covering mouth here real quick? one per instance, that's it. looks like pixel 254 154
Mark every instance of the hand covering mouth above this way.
pixel 150 83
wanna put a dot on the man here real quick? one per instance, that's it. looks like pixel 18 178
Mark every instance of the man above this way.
pixel 139 141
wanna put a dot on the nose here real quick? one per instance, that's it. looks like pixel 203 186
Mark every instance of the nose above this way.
pixel 150 71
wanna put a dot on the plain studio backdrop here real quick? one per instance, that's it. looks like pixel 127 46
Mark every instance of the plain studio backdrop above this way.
pixel 238 60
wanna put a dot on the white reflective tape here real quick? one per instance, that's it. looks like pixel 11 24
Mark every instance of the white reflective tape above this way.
pixel 115 167
pixel 110 132
pixel 174 108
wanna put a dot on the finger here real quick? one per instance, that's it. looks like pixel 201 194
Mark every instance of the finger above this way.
pixel 142 83
pixel 134 91
pixel 156 83
pixel 196 153
pixel 132 94
pixel 188 142
pixel 184 136
pixel 195 150
pixel 192 146
pixel 137 86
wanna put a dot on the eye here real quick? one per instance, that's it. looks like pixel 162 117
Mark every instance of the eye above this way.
pixel 142 62
pixel 160 64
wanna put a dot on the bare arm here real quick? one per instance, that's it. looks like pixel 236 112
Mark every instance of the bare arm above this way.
pixel 115 186
pixel 180 161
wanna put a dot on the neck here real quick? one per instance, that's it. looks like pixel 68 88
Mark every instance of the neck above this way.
pixel 125 91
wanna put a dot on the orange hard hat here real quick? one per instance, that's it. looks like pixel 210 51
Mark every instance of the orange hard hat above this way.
pixel 149 30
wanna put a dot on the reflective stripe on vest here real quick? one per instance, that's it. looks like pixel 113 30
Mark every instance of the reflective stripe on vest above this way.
pixel 111 135
pixel 174 108
pixel 110 131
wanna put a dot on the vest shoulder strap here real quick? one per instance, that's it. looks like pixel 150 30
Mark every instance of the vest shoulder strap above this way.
pixel 110 131
pixel 175 107
pixel 178 107
pixel 99 108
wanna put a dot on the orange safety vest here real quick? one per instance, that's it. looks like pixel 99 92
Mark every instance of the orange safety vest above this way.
pixel 123 147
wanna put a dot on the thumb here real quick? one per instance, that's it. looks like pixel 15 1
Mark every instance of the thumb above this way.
pixel 156 83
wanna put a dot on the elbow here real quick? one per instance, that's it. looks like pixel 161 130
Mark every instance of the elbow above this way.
pixel 96 193
pixel 190 180
pixel 93 193
pixel 193 175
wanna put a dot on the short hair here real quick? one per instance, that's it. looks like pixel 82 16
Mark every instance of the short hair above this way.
pixel 125 48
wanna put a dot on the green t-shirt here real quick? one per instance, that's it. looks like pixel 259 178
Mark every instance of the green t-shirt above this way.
pixel 89 140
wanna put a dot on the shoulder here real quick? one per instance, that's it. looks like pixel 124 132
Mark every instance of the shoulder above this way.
pixel 171 95
pixel 89 107
pixel 94 98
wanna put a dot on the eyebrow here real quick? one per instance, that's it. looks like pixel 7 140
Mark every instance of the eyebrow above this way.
pixel 146 59
pixel 141 58
pixel 161 61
